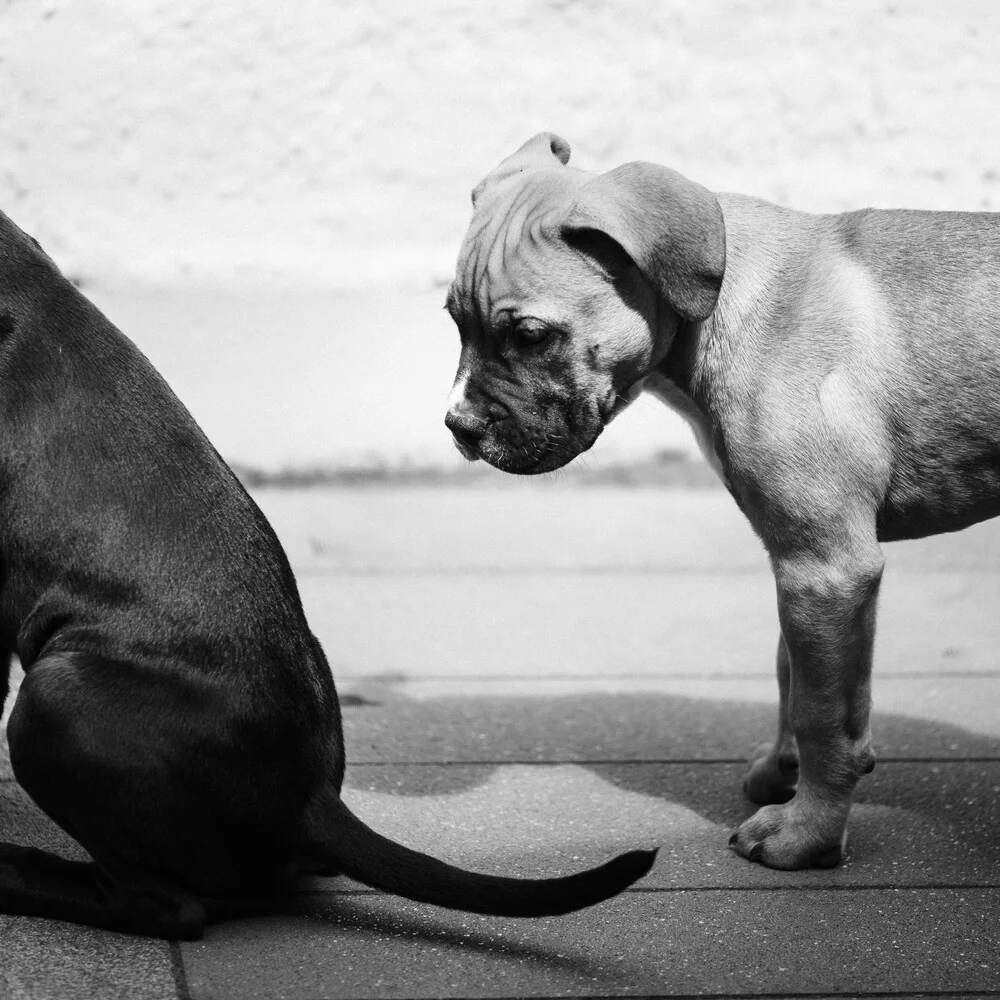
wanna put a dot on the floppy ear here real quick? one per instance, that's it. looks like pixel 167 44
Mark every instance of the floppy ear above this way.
pixel 543 150
pixel 672 229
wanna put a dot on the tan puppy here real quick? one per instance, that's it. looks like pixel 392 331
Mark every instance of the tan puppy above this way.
pixel 841 373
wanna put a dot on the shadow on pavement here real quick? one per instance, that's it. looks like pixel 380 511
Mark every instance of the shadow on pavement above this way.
pixel 932 804
pixel 682 750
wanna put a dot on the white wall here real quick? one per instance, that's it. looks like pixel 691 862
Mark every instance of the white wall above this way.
pixel 189 159
pixel 335 142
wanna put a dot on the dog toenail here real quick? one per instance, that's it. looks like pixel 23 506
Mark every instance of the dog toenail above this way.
pixel 733 839
pixel 756 851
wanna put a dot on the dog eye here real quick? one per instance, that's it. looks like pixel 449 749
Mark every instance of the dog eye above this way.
pixel 530 336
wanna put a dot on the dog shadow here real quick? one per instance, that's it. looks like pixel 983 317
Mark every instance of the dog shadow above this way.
pixel 682 750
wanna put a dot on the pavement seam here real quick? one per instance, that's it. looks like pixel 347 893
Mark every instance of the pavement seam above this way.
pixel 664 889
pixel 618 762
pixel 945 995
pixel 178 971
pixel 826 995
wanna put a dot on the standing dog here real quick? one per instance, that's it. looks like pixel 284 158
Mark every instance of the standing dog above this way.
pixel 841 374
pixel 177 716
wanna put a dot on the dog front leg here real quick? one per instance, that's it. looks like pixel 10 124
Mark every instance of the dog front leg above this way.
pixel 827 611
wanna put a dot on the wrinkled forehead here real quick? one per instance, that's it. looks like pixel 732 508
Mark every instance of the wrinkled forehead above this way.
pixel 515 224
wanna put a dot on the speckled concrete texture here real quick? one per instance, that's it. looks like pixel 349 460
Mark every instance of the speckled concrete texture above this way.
pixel 785 943
pixel 47 960
pixel 912 824
pixel 715 718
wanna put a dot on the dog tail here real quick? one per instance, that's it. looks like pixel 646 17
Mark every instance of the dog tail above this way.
pixel 359 852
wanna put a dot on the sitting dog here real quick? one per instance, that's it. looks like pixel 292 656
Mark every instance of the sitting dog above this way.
pixel 841 374
pixel 177 717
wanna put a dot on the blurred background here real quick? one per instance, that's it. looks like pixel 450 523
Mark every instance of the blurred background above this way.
pixel 269 198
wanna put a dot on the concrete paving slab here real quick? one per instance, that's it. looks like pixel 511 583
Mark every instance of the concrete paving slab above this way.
pixel 726 943
pixel 568 719
pixel 675 720
pixel 912 824
pixel 565 719
pixel 50 960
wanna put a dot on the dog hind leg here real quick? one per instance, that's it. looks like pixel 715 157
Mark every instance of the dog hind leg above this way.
pixel 35 883
pixel 774 768
pixel 59 732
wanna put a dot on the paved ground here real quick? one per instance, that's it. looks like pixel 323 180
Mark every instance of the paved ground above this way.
pixel 538 677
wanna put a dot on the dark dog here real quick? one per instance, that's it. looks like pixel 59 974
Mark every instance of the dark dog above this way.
pixel 177 717
pixel 841 373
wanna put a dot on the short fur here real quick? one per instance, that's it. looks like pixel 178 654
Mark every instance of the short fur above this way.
pixel 841 374
pixel 177 717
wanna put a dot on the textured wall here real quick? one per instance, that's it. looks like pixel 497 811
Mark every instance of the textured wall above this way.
pixel 336 142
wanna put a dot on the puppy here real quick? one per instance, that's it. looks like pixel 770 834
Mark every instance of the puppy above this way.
pixel 841 373
pixel 177 716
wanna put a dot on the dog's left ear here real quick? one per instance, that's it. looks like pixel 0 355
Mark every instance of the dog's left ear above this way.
pixel 670 227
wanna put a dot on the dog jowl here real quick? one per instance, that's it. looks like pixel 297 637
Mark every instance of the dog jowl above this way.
pixel 840 372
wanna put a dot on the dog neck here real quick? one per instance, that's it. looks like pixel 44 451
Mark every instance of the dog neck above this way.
pixel 695 376
pixel 705 358
pixel 672 382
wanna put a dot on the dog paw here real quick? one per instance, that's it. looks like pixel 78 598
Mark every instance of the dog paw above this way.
pixel 790 837
pixel 772 775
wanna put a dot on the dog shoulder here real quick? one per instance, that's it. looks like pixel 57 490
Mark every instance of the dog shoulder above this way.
pixel 812 343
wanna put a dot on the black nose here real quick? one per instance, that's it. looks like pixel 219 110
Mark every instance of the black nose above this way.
pixel 467 428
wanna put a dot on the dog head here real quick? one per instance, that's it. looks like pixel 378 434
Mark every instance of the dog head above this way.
pixel 569 289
